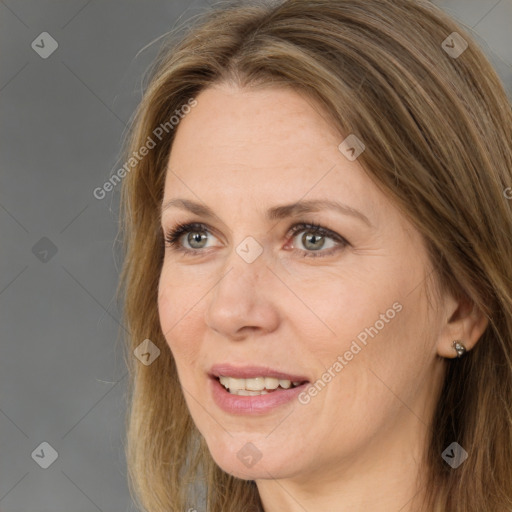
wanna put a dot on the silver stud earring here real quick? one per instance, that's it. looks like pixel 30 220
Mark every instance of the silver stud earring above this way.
pixel 459 348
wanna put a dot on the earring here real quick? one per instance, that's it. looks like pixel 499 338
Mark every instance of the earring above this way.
pixel 459 348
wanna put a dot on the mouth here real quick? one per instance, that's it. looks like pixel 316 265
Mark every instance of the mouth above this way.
pixel 256 386
pixel 253 390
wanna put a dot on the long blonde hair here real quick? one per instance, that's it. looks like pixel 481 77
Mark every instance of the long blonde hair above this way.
pixel 437 129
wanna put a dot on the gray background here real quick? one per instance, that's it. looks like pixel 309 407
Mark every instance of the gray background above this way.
pixel 62 119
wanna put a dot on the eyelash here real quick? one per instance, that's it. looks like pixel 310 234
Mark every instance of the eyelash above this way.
pixel 173 236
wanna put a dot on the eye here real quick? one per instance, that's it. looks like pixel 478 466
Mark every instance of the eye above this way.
pixel 314 238
pixel 196 235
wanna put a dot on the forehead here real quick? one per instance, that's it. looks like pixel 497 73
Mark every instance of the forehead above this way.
pixel 235 122
pixel 271 142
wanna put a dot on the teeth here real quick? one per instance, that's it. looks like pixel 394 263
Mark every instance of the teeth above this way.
pixel 254 386
pixel 245 392
pixel 271 383
pixel 236 384
pixel 224 381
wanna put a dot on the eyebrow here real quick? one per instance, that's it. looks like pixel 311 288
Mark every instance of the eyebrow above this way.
pixel 277 212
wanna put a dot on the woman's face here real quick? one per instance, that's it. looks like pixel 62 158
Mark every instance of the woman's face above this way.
pixel 345 310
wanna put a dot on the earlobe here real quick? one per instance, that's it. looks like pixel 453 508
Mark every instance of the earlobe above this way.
pixel 462 331
pixel 459 347
pixel 454 350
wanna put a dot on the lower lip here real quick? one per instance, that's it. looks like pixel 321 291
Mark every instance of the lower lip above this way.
pixel 259 404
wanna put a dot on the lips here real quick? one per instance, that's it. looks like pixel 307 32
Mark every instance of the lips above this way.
pixel 246 402
pixel 251 372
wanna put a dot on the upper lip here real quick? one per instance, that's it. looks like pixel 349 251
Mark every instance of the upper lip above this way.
pixel 248 372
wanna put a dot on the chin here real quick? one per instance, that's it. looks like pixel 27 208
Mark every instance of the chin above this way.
pixel 244 460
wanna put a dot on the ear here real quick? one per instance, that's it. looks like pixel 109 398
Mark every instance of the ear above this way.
pixel 463 322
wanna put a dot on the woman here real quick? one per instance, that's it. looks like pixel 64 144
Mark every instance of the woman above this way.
pixel 318 261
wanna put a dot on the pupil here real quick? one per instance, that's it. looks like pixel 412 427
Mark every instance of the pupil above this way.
pixel 196 237
pixel 312 239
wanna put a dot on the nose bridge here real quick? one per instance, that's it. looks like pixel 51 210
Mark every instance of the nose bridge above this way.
pixel 240 297
pixel 245 267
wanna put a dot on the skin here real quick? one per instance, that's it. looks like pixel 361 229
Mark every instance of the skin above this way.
pixel 359 444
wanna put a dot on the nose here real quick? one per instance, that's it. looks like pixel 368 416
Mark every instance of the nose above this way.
pixel 244 299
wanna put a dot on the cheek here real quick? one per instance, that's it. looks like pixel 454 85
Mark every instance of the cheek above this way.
pixel 387 357
pixel 358 306
pixel 376 323
pixel 177 320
